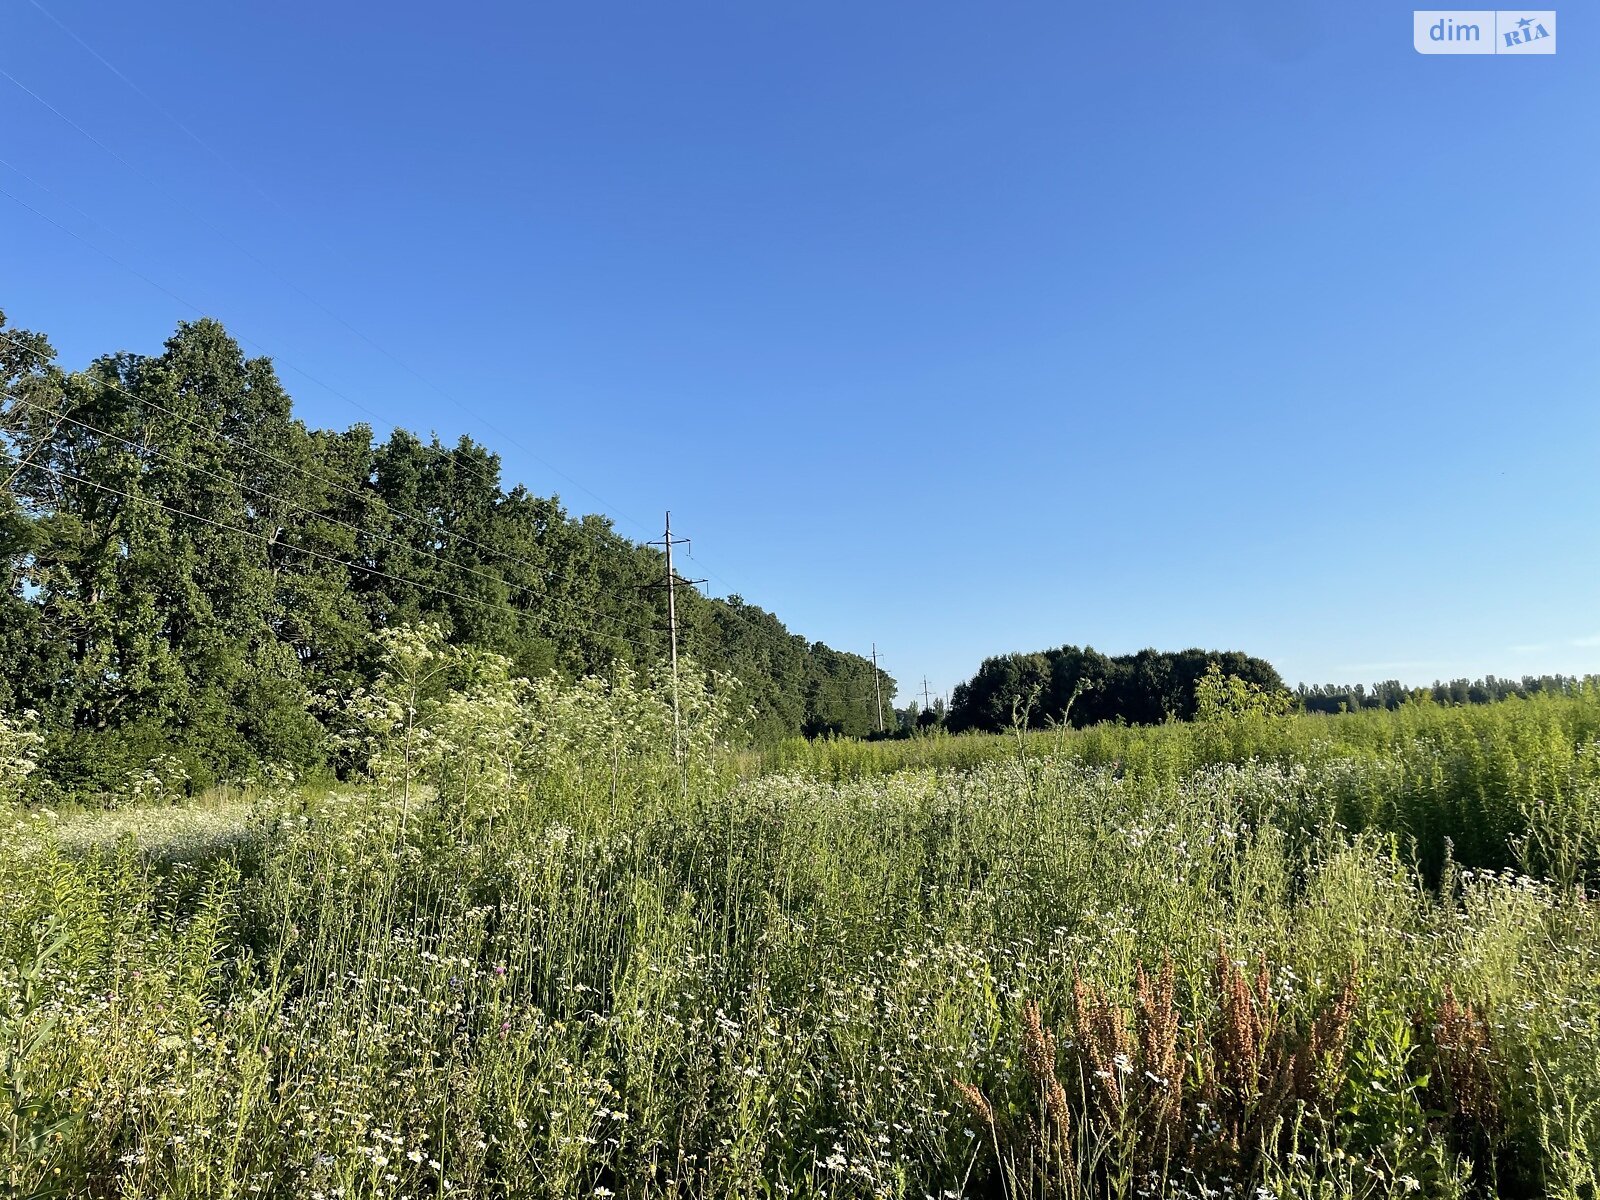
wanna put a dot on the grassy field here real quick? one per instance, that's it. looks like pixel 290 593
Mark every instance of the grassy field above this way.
pixel 1315 957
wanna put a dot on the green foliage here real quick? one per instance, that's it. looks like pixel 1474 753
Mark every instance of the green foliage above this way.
pixel 21 744
pixel 556 935
pixel 189 567
pixel 1391 693
pixel 1084 687
pixel 1513 785
pixel 461 723
pixel 1219 697
pixel 568 964
pixel 34 1123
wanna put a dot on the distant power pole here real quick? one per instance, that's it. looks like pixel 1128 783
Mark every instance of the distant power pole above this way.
pixel 877 686
pixel 925 704
pixel 671 584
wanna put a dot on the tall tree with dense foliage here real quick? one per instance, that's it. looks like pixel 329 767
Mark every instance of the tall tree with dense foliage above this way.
pixel 1082 687
pixel 190 570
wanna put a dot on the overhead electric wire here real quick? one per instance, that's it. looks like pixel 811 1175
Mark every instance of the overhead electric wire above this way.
pixel 303 294
pixel 154 103
pixel 278 359
pixel 473 467
pixel 317 554
pixel 479 472
pixel 715 653
pixel 206 146
pixel 366 497
pixel 270 541
pixel 430 526
pixel 316 477
pixel 271 270
pixel 310 512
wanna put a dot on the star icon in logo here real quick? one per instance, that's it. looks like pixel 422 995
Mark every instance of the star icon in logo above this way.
pixel 1525 22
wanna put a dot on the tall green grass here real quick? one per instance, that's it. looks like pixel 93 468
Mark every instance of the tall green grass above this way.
pixel 1515 784
pixel 569 966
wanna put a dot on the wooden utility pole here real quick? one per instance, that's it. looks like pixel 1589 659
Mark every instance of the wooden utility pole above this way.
pixel 877 686
pixel 672 625
pixel 671 584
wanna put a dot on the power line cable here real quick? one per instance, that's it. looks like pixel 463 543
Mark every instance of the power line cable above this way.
pixel 310 299
pixel 518 614
pixel 705 650
pixel 431 526
pixel 277 359
pixel 204 145
pixel 156 104
pixel 259 261
pixel 423 522
pixel 317 554
pixel 312 513
pixel 482 476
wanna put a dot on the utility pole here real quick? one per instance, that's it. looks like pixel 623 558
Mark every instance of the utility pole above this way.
pixel 877 686
pixel 672 625
pixel 671 584
pixel 925 704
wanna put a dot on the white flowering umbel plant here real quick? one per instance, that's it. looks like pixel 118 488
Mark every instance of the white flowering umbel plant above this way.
pixel 501 745
pixel 1118 969
pixel 377 730
pixel 21 747
pixel 481 741
pixel 163 777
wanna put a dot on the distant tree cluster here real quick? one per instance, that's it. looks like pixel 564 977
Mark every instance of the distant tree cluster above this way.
pixel 1391 694
pixel 1083 687
pixel 189 568
pixel 914 718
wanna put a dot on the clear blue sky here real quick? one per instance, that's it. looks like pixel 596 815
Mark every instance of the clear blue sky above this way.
pixel 959 328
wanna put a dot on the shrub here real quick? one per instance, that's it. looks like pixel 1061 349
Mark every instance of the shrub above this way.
pixel 21 745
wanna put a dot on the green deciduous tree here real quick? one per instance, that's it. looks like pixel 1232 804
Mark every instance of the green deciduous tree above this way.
pixel 188 566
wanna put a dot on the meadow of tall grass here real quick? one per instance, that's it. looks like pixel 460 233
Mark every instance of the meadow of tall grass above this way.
pixel 532 952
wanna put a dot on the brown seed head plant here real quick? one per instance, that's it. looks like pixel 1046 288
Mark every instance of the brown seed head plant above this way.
pixel 1160 1092
pixel 1054 1128
pixel 1036 1151
pixel 1160 1059
pixel 1263 1070
pixel 1462 1078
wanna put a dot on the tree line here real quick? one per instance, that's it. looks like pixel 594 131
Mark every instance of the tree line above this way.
pixel 1391 693
pixel 192 570
pixel 1081 686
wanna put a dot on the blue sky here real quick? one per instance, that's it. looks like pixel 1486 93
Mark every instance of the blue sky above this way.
pixel 958 328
